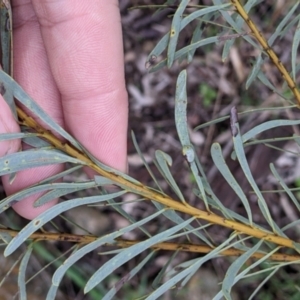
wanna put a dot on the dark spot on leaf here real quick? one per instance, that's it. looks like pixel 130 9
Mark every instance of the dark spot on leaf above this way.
pixel 37 222
pixel 2 89
pixel 121 282
pixel 7 25
pixel 13 203
pixel 151 61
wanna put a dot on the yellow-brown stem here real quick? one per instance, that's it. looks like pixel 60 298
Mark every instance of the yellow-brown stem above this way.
pixel 272 55
pixel 154 195
pixel 122 243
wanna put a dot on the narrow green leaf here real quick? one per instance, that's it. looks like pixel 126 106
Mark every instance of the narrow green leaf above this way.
pixel 70 188
pixel 241 114
pixel 297 139
pixel 159 278
pixel 212 122
pixel 111 170
pixel 18 161
pixel 52 292
pixel 220 163
pixel 266 126
pixel 255 71
pixel 262 283
pixel 291 24
pixel 61 174
pixel 6 51
pixel 235 267
pixel 18 196
pixel 182 266
pixel 196 37
pixel 167 3
pixel 138 150
pixel 159 48
pixel 174 32
pixel 180 109
pixel 284 186
pixel 15 135
pixel 163 161
pixel 11 269
pixel 123 213
pixel 102 181
pixel 22 271
pixel 233 24
pixel 117 286
pixel 203 12
pixel 227 46
pixel 192 268
pixel 174 217
pixel 291 225
pixel 213 201
pixel 185 50
pixel 6 237
pixel 247 270
pixel 263 78
pixel 182 130
pixel 239 150
pixel 239 23
pixel 295 46
pixel 48 215
pixel 183 133
pixel 279 27
pixel 129 253
pixel 109 238
pixel 76 274
pixel 199 182
pixel 27 101
pixel 6 36
pixel 163 43
pixel 36 142
pixel 297 246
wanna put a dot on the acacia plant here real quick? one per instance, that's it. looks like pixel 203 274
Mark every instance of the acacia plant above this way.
pixel 255 249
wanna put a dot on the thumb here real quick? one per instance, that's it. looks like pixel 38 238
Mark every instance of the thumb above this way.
pixel 8 124
pixel 25 207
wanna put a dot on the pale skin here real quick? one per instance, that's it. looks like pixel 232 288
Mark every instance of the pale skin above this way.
pixel 68 55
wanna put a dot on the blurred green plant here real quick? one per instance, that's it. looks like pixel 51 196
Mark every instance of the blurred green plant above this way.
pixel 253 246
pixel 208 94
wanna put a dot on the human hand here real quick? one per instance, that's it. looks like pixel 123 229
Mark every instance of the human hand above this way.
pixel 68 55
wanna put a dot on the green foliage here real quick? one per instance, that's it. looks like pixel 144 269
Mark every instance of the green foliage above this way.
pixel 208 95
pixel 257 249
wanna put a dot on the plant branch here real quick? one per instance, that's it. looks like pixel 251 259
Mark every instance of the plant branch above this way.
pixel 123 243
pixel 150 194
pixel 272 55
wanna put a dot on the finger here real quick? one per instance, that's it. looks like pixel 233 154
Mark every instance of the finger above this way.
pixel 32 72
pixel 31 66
pixel 8 125
pixel 83 40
